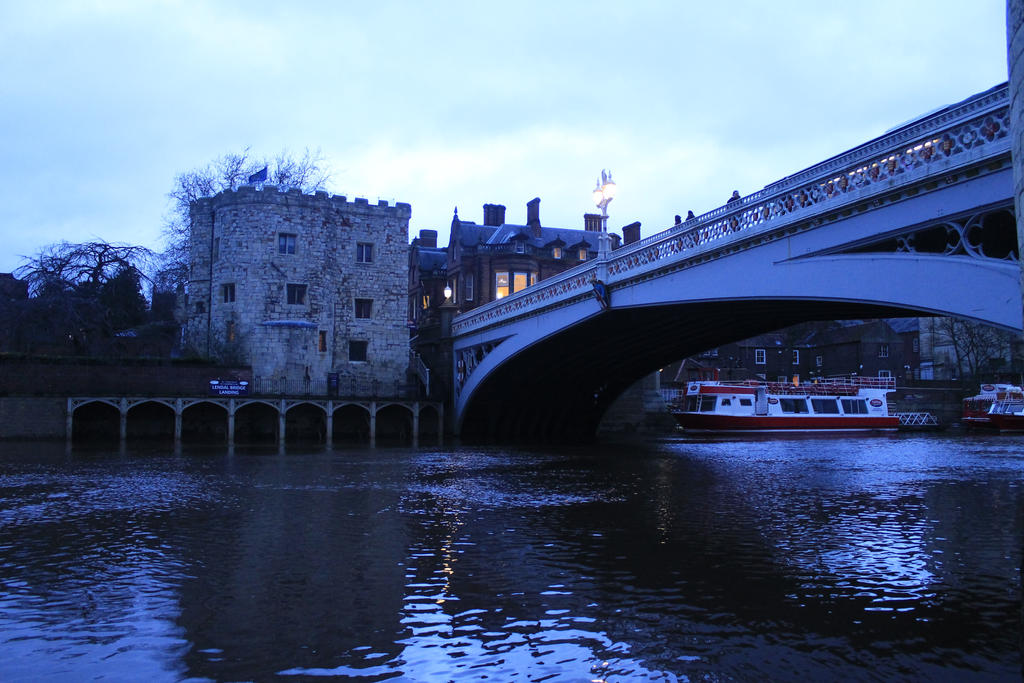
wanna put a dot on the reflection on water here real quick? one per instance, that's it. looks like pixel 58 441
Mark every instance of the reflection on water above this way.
pixel 861 559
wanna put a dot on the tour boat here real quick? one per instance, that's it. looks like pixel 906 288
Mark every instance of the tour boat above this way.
pixel 975 408
pixel 1007 415
pixel 832 404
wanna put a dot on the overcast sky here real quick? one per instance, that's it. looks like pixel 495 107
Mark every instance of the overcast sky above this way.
pixel 444 104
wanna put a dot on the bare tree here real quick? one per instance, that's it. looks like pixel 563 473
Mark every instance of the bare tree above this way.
pixel 308 172
pixel 85 267
pixel 977 349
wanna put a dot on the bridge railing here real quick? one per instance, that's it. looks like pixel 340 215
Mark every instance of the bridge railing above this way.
pixel 959 135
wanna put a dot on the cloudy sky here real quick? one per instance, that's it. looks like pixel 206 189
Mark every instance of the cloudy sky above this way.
pixel 444 104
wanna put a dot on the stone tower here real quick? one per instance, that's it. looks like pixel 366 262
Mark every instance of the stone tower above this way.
pixel 300 286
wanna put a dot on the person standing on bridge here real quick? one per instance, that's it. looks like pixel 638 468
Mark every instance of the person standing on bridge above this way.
pixel 735 197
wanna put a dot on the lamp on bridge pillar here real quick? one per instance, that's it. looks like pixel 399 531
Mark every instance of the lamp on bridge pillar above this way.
pixel 447 294
pixel 604 193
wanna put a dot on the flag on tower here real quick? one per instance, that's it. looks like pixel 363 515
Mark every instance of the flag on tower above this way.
pixel 258 176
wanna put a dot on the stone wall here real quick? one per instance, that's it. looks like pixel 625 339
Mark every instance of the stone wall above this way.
pixel 254 249
pixel 1015 62
pixel 32 418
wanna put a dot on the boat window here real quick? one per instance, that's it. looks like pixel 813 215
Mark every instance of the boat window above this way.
pixel 707 404
pixel 726 401
pixel 692 404
pixel 793 405
pixel 1013 407
pixel 855 406
pixel 826 406
pixel 745 402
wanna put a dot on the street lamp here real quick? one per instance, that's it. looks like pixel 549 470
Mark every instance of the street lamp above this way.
pixel 447 294
pixel 603 194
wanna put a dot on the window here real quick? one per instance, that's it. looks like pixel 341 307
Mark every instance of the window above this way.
pixel 297 294
pixel 357 351
pixel 200 307
pixel 782 379
pixel 746 402
pixel 819 361
pixel 556 252
pixel 826 406
pixel 467 287
pixel 854 406
pixel 228 292
pixel 231 331
pixel 426 301
pixel 583 253
pixel 759 356
pixel 286 243
pixel 364 308
pixel 509 282
pixel 322 344
pixel 793 405
pixel 883 350
pixel 796 357
pixel 707 404
pixel 364 252
pixel 884 374
pixel 916 344
pixel 520 247
pixel 519 281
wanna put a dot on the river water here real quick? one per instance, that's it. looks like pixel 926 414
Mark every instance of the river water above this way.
pixel 878 558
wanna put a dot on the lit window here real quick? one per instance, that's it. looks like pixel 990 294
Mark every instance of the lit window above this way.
pixel 364 252
pixel 231 330
pixel 796 357
pixel 759 356
pixel 556 252
pixel 519 281
pixel 228 292
pixel 819 361
pixel 883 350
pixel 501 285
pixel 583 253
pixel 322 345
pixel 364 308
pixel 357 351
pixel 426 301
pixel 296 294
pixel 884 374
pixel 286 243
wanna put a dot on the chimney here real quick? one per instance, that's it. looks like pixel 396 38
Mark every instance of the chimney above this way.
pixel 631 233
pixel 428 238
pixel 533 215
pixel 592 222
pixel 494 215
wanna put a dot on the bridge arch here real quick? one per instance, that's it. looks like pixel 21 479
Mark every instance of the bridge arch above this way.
pixel 204 421
pixel 151 420
pixel 96 420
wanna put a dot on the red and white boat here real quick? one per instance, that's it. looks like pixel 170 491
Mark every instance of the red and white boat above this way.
pixel 1007 415
pixel 976 408
pixel 832 404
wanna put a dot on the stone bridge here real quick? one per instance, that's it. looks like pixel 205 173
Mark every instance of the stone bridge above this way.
pixel 917 222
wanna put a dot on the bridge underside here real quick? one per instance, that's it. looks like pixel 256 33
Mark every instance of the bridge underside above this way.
pixel 573 377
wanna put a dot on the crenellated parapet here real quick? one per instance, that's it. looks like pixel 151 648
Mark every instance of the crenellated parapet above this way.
pixel 292 197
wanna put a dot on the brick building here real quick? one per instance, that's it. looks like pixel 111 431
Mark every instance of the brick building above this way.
pixel 487 261
pixel 301 287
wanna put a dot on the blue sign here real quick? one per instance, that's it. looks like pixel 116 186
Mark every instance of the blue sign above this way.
pixel 229 387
